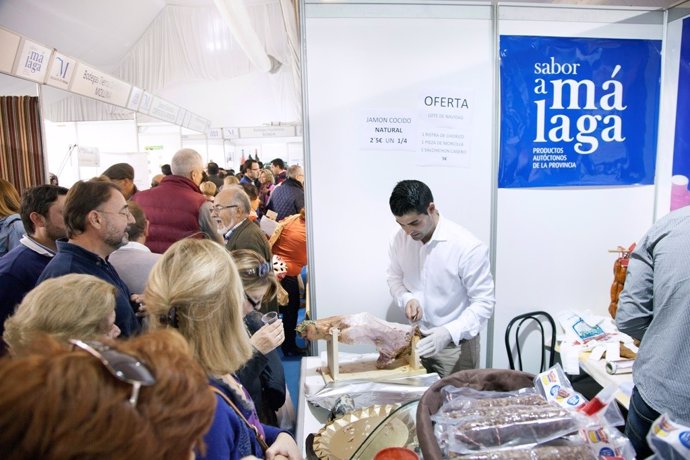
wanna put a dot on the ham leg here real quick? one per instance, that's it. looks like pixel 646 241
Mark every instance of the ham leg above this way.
pixel 392 340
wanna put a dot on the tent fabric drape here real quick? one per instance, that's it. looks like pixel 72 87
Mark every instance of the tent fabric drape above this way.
pixel 21 142
pixel 191 44
pixel 78 108
pixel 185 45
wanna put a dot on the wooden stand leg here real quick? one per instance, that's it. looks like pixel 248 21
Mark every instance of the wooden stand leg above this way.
pixel 332 353
pixel 415 363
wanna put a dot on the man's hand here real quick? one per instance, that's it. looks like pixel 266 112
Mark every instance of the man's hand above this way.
pixel 413 310
pixel 268 337
pixel 436 339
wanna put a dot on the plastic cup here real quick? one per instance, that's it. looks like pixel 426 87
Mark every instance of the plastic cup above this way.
pixel 396 453
pixel 270 317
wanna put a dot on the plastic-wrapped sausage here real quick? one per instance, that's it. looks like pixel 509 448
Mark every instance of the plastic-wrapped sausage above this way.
pixel 577 452
pixel 510 426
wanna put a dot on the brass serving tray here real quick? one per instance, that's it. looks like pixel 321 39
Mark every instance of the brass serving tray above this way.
pixel 341 438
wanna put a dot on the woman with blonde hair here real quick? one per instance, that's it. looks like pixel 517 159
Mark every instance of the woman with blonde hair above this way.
pixel 263 375
pixel 150 400
pixel 208 188
pixel 66 307
pixel 267 182
pixel 205 306
pixel 11 227
pixel 228 181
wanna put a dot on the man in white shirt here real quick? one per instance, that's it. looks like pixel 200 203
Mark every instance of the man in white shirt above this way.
pixel 439 273
pixel 134 261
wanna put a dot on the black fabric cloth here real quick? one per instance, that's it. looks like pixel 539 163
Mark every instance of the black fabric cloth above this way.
pixel 289 312
pixel 264 377
pixel 71 258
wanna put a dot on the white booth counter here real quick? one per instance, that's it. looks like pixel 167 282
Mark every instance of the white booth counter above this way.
pixel 310 418
pixel 376 388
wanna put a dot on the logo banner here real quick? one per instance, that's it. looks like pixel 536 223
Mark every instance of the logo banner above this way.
pixel 578 111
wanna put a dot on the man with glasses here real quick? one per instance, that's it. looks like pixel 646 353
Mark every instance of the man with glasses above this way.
pixel 96 218
pixel 231 210
pixel 177 209
pixel 251 173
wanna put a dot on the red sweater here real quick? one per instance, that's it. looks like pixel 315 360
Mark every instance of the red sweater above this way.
pixel 172 209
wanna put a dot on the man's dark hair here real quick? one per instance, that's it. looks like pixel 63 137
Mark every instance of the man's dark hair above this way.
pixel 248 164
pixel 135 230
pixel 120 171
pixel 212 168
pixel 82 198
pixel 38 199
pixel 410 196
pixel 278 163
pixel 165 169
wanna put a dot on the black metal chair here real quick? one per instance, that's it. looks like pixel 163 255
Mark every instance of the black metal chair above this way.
pixel 537 320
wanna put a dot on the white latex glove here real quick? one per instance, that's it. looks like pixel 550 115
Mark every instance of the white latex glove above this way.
pixel 437 338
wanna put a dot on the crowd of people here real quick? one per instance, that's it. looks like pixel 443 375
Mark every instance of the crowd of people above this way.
pixel 146 307
pixel 152 309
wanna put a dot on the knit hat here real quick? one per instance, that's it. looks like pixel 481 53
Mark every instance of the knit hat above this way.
pixel 120 171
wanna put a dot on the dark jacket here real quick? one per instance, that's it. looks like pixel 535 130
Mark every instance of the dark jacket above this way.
pixel 249 236
pixel 172 209
pixel 288 199
pixel 264 377
pixel 19 270
pixel 75 259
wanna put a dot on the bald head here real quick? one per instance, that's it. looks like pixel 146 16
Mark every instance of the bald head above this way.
pixel 296 172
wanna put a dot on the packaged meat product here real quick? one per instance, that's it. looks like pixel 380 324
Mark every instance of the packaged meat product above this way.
pixel 555 386
pixel 510 426
pixel 574 452
pixel 669 440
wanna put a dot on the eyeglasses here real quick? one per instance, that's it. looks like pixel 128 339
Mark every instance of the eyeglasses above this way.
pixel 255 304
pixel 219 208
pixel 260 270
pixel 124 367
pixel 125 212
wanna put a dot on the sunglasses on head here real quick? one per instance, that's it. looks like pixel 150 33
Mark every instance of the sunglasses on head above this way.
pixel 260 271
pixel 126 368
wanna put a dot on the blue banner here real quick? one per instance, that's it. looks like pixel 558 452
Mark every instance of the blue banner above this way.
pixel 578 111
pixel 680 196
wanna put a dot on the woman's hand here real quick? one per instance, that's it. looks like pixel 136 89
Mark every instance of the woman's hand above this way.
pixel 284 445
pixel 268 337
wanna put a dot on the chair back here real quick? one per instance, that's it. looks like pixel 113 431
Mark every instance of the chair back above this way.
pixel 535 320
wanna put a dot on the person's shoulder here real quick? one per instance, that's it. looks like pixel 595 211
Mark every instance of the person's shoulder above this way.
pixel 458 234
pixel 21 257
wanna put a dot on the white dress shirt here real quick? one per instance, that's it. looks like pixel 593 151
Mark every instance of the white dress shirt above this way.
pixel 133 263
pixel 450 277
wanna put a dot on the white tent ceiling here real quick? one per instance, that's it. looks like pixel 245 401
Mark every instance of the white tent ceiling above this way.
pixel 181 50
